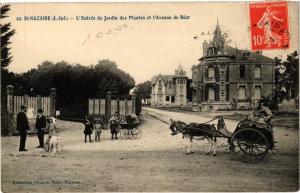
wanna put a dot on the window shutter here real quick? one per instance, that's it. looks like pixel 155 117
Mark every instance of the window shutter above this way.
pixel 217 96
pixel 206 94
pixel 227 74
pixel 227 92
pixel 217 73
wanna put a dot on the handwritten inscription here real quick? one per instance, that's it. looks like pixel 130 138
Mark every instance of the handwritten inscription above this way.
pixel 101 34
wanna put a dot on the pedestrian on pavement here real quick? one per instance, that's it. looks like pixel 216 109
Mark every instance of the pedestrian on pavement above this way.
pixel 40 125
pixel 98 129
pixel 22 127
pixel 114 125
pixel 88 130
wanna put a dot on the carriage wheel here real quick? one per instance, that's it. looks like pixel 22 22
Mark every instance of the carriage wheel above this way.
pixel 136 133
pixel 127 134
pixel 122 133
pixel 251 142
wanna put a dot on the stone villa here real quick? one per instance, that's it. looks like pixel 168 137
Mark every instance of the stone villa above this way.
pixel 230 78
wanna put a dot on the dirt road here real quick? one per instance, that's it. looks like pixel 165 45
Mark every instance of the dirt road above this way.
pixel 153 163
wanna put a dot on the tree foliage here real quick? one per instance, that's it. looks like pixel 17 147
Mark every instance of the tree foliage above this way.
pixel 74 84
pixel 144 89
pixel 6 58
pixel 6 34
pixel 287 77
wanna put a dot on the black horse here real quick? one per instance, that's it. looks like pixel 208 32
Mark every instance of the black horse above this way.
pixel 195 131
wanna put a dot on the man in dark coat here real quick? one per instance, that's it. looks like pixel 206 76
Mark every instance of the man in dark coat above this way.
pixel 114 125
pixel 40 125
pixel 88 130
pixel 22 127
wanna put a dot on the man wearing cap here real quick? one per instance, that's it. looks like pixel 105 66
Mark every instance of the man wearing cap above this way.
pixel 40 125
pixel 22 127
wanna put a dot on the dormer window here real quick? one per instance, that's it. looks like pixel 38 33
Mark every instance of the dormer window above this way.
pixel 211 51
pixel 246 54
pixel 180 81
pixel 159 83
pixel 170 84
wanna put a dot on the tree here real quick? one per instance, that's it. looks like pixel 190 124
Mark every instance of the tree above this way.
pixel 144 89
pixel 287 77
pixel 6 58
pixel 6 34
pixel 74 84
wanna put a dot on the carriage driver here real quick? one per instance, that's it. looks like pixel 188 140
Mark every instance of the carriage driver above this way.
pixel 265 112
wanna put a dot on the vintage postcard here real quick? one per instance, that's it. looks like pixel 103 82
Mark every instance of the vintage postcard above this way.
pixel 150 97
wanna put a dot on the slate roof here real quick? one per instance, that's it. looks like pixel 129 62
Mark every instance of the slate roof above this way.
pixel 165 78
pixel 253 55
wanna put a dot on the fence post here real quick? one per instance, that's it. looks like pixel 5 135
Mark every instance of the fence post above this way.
pixel 39 102
pixel 133 103
pixel 10 99
pixel 107 107
pixel 118 105
pixel 126 107
pixel 26 100
pixel 52 101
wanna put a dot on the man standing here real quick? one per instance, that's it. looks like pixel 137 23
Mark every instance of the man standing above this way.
pixel 40 125
pixel 114 125
pixel 23 127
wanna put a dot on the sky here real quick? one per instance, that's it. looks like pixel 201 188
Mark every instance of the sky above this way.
pixel 143 48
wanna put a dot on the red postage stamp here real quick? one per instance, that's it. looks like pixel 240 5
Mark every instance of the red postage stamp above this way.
pixel 269 25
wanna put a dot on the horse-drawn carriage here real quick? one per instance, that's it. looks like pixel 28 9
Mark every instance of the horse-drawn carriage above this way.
pixel 251 140
pixel 129 127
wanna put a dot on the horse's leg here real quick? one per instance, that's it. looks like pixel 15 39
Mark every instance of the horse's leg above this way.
pixel 58 147
pixel 55 147
pixel 189 146
pixel 51 148
pixel 215 146
pixel 210 146
pixel 192 144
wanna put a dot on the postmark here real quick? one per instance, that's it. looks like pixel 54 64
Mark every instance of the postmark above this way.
pixel 269 25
